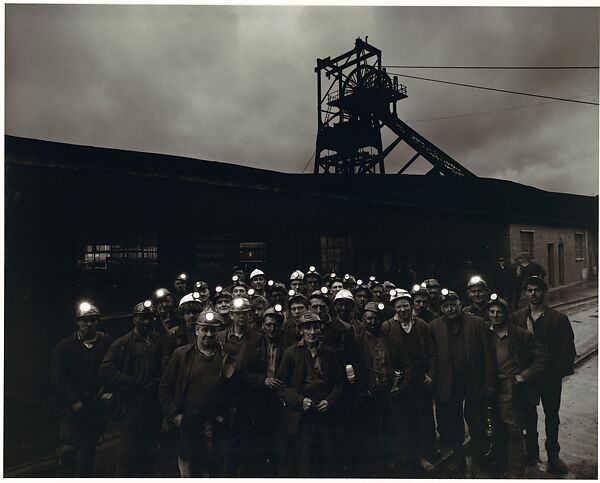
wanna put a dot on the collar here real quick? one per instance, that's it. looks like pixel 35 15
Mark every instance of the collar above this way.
pixel 232 335
pixel 501 334
pixel 203 354
pixel 87 341
pixel 137 337
pixel 543 309
pixel 407 326
pixel 301 343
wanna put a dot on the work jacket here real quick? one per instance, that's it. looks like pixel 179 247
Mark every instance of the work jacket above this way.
pixel 531 358
pixel 293 371
pixel 480 355
pixel 555 334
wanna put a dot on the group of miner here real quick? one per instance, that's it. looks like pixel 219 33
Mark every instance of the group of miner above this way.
pixel 323 376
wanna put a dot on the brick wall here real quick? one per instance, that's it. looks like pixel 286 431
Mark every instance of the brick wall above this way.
pixel 544 235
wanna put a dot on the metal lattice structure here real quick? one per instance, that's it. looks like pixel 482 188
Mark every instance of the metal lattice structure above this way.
pixel 358 102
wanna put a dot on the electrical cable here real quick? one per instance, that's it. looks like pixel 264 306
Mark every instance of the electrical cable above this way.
pixel 493 89
pixel 491 67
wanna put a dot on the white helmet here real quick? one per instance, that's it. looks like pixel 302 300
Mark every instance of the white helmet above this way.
pixel 256 272
pixel 344 294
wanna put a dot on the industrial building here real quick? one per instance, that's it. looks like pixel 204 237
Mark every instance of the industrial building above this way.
pixel 113 225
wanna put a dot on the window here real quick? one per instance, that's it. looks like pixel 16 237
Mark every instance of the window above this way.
pixel 126 252
pixel 253 254
pixel 527 242
pixel 337 253
pixel 579 246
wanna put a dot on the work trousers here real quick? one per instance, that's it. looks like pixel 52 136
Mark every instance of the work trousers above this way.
pixel 550 389
pixel 451 417
pixel 270 440
pixel 200 445
pixel 312 446
pixel 510 427
pixel 429 431
pixel 384 443
pixel 78 436
pixel 140 431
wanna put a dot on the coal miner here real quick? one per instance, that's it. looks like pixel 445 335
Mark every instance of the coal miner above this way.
pixel 221 303
pixel 131 368
pixel 464 376
pixel 258 282
pixel 312 279
pixel 312 379
pixel 80 393
pixel 242 343
pixel 194 393
pixel 297 304
pixel 383 376
pixel 433 287
pixel 270 438
pixel 190 306
pixel 520 361
pixel 553 330
pixel 416 337
pixel 420 296
pixel 479 294
pixel 180 287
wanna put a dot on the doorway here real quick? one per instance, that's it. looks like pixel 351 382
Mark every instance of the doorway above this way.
pixel 551 272
pixel 561 263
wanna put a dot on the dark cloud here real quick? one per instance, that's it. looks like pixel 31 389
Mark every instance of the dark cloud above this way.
pixel 237 84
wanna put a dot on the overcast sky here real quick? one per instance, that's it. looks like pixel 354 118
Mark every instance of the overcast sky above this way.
pixel 237 84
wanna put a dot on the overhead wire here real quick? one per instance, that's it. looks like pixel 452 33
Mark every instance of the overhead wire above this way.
pixel 309 160
pixel 494 67
pixel 466 114
pixel 493 89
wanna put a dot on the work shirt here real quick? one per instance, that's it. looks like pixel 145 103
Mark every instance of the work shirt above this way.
pixel 507 365
pixel 205 383
pixel 377 363
pixel 457 347
pixel 271 358
pixel 145 370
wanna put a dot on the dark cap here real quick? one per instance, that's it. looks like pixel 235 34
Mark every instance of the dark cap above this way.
pixel 86 309
pixel 374 307
pixel 307 318
pixel 318 294
pixel 160 293
pixel 448 295
pixel 431 282
pixel 220 294
pixel 273 312
pixel 209 317
pixel 144 307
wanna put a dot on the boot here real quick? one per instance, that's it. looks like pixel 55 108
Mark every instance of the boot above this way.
pixel 556 465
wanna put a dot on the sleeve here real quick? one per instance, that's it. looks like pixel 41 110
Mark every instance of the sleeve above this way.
pixel 112 366
pixel 65 393
pixel 537 355
pixel 288 394
pixel 254 374
pixel 338 380
pixel 166 387
pixel 489 354
pixel 566 362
